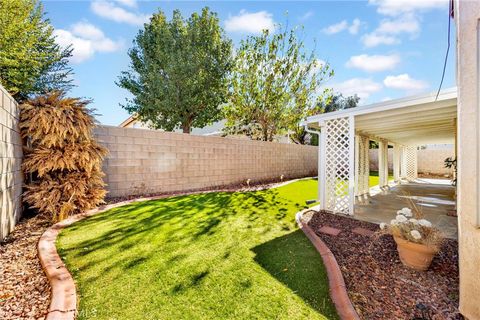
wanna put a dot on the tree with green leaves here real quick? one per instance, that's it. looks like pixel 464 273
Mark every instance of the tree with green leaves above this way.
pixel 179 71
pixel 328 102
pixel 275 84
pixel 31 62
pixel 336 102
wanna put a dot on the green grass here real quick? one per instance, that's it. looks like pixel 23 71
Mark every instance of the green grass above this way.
pixel 374 179
pixel 209 256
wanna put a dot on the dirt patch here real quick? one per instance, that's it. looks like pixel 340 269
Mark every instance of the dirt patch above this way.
pixel 378 285
pixel 24 289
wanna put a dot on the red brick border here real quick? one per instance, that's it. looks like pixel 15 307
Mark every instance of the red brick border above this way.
pixel 338 290
pixel 63 298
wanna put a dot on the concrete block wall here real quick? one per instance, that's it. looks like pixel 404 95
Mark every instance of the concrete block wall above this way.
pixel 11 177
pixel 144 161
pixel 429 160
pixel 432 161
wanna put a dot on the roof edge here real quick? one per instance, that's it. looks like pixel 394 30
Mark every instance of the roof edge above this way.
pixel 446 94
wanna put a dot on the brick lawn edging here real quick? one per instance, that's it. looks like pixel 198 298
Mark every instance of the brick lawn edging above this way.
pixel 63 298
pixel 336 283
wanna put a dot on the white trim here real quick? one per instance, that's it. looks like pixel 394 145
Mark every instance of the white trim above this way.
pixel 447 94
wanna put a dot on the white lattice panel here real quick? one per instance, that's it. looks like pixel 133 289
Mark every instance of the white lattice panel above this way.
pixel 338 167
pixel 362 170
pixel 410 159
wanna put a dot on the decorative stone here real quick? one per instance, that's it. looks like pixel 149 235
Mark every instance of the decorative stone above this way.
pixel 330 230
pixel 363 232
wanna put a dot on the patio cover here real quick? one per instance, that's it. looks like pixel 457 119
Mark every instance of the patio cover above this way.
pixel 403 123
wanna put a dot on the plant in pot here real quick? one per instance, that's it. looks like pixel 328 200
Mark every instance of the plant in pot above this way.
pixel 418 241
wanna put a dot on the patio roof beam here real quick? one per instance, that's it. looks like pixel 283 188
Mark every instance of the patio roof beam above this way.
pixel 407 112
pixel 434 127
pixel 445 115
pixel 420 103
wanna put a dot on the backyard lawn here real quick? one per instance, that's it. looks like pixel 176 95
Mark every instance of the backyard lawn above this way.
pixel 206 256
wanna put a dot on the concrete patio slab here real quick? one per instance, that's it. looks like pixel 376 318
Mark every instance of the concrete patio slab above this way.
pixel 435 198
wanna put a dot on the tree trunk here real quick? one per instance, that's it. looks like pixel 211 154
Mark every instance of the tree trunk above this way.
pixel 186 128
pixel 265 133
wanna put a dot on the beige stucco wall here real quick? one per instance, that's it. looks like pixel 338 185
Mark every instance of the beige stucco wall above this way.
pixel 467 15
pixel 147 161
pixel 10 164
pixel 429 160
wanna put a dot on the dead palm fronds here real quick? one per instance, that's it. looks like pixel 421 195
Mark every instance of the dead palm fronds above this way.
pixel 62 157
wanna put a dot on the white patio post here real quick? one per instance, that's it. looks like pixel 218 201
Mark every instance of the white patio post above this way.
pixel 366 167
pixel 321 166
pixel 403 163
pixel 358 166
pixel 351 155
pixel 386 163
pixel 362 169
pixel 396 163
pixel 381 164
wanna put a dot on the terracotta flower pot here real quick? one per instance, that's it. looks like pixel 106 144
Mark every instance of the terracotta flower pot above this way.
pixel 415 255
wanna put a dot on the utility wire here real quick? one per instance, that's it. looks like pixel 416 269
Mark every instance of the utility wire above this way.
pixel 450 10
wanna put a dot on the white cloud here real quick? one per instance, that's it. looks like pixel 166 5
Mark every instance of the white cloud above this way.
pixel 343 25
pixel 128 3
pixel 250 22
pixel 355 26
pixel 373 39
pixel 87 31
pixel 373 63
pixel 111 11
pixel 388 30
pixel 363 87
pixel 307 15
pixel 86 40
pixel 404 82
pixel 403 18
pixel 406 23
pixel 336 28
pixel 398 7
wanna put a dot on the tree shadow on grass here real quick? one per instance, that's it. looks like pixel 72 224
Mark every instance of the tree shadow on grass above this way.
pixel 188 218
pixel 292 260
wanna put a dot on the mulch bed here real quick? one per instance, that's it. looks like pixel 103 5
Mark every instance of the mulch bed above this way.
pixel 378 285
pixel 24 288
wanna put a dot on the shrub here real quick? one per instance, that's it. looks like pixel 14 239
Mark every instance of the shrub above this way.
pixel 62 159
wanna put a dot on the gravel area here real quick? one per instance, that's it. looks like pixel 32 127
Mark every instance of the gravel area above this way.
pixel 379 286
pixel 24 289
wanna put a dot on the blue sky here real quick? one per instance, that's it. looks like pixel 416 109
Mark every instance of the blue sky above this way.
pixel 379 49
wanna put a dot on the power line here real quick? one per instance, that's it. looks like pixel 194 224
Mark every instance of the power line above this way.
pixel 450 13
